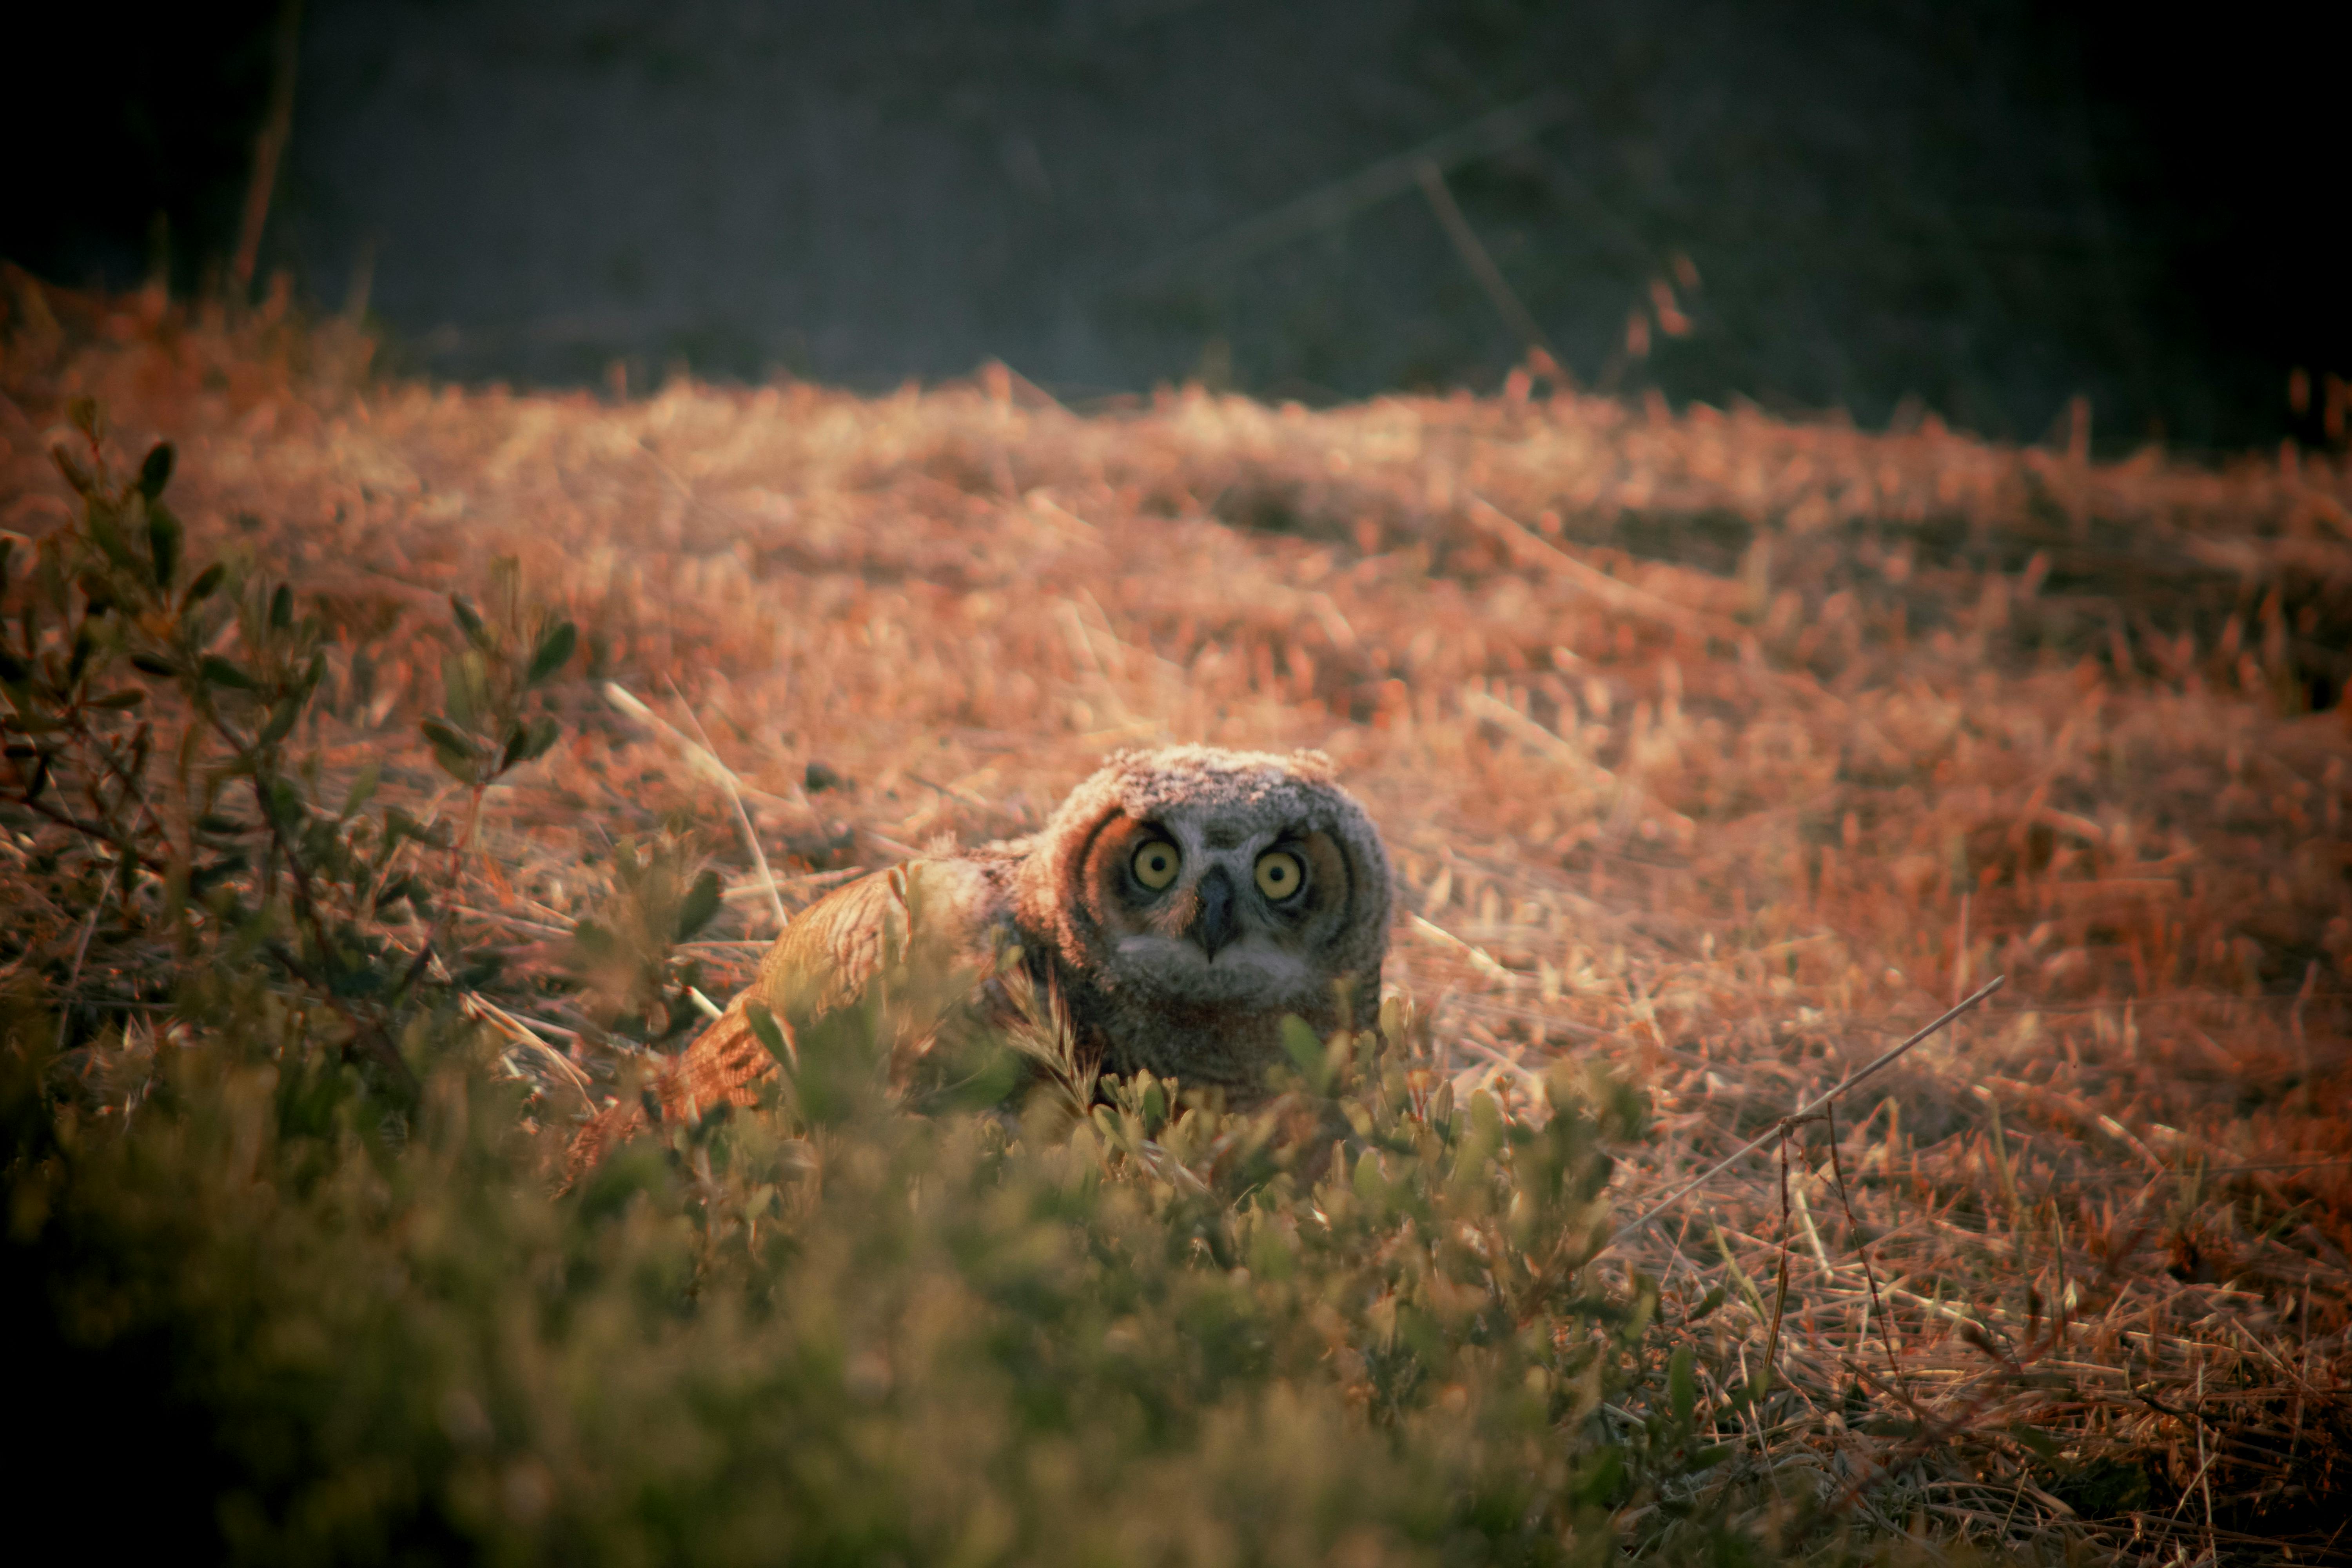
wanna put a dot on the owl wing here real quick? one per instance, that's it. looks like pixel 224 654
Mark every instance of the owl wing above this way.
pixel 941 924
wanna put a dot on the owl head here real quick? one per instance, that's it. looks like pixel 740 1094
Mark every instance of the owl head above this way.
pixel 1192 876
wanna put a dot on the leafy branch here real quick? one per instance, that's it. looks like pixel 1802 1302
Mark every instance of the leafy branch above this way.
pixel 236 848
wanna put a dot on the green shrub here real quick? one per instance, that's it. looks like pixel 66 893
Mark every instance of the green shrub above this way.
pixel 151 723
pixel 927 1339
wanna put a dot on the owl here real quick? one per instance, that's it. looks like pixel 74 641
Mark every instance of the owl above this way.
pixel 1178 905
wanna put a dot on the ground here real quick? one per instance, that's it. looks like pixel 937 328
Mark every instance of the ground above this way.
pixel 1723 750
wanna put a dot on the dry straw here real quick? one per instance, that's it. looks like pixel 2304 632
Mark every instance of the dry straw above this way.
pixel 1706 742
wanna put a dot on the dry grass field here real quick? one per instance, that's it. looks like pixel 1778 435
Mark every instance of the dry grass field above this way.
pixel 1722 749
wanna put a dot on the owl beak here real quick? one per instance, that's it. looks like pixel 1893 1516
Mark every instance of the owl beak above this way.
pixel 1214 926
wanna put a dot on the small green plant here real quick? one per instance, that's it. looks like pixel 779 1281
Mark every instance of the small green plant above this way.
pixel 621 955
pixel 485 728
pixel 154 719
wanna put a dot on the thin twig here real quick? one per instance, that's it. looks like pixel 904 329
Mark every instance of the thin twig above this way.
pixel 269 148
pixel 1861 1247
pixel 743 817
pixel 480 1006
pixel 81 951
pixel 704 760
pixel 1335 203
pixel 1474 255
pixel 1781 1287
pixel 1989 986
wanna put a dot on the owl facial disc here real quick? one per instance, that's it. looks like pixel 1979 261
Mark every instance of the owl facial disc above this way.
pixel 1203 903
pixel 1194 897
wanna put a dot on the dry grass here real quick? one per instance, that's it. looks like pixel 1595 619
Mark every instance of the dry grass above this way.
pixel 1725 749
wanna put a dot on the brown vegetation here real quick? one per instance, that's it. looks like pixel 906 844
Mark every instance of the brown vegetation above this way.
pixel 1724 748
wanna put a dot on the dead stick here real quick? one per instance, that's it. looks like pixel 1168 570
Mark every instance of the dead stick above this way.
pixel 1475 255
pixel 743 817
pixel 704 760
pixel 1662 1205
pixel 1862 1249
pixel 269 148
pixel 1780 1291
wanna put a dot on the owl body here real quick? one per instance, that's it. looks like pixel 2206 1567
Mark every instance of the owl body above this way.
pixel 1178 906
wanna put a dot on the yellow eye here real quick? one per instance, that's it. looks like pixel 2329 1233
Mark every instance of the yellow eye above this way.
pixel 1155 864
pixel 1279 875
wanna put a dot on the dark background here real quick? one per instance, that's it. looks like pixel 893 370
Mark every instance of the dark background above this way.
pixel 1980 209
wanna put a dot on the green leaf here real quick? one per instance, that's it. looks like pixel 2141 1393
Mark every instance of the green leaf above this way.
pixel 702 903
pixel 527 743
pixel 469 621
pixel 1305 1051
pixel 1339 1055
pixel 399 825
pixel 362 790
pixel 206 582
pixel 130 698
pixel 86 417
pixel 155 472
pixel 105 528
pixel 148 664
pixel 75 475
pixel 1682 1386
pixel 465 688
pixel 218 671
pixel 767 1032
pixel 12 668
pixel 285 805
pixel 1707 1304
pixel 281 720
pixel 282 609
pixel 97 594
pixel 454 750
pixel 164 536
pixel 441 732
pixel 554 651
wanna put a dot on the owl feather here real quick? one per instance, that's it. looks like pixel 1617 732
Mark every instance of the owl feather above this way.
pixel 1177 906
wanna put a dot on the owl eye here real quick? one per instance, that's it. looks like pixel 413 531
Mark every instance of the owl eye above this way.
pixel 1155 864
pixel 1279 875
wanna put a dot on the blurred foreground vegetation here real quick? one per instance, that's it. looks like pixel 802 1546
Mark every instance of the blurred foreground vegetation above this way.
pixel 884 1339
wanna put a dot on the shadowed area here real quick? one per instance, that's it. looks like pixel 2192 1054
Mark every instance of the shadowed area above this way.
pixel 1887 210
